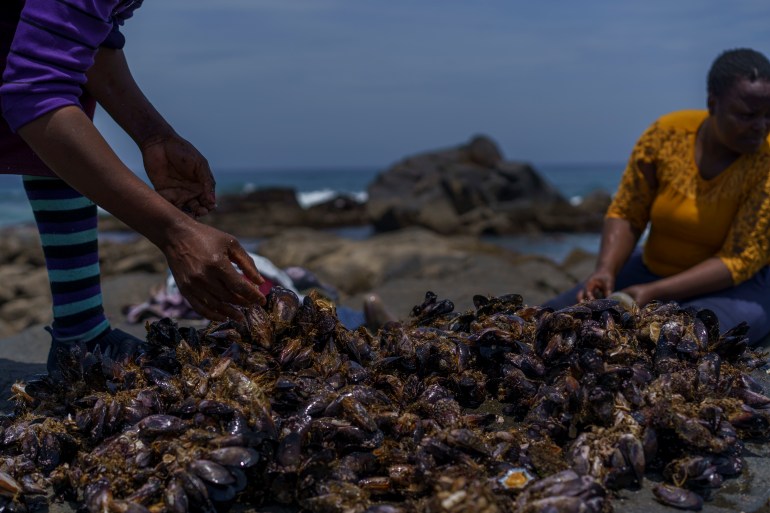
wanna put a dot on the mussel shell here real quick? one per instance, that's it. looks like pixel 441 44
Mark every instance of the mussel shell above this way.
pixel 282 305
pixel 194 488
pixel 215 408
pixel 175 498
pixel 211 472
pixel 260 327
pixel 98 495
pixel 148 490
pixel 384 508
pixel 8 485
pixel 32 484
pixel 42 389
pixel 678 497
pixel 289 449
pixel 710 323
pixel 160 424
pixel 221 493
pixel 729 465
pixel 242 457
pixel 581 312
pixel 164 333
pixel 126 506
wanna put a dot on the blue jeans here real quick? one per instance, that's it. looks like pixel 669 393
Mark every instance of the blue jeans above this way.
pixel 748 301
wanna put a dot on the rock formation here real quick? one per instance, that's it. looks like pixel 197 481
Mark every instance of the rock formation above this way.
pixel 471 189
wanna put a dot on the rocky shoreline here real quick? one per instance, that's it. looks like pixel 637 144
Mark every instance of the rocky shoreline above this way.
pixel 400 266
pixel 427 214
pixel 468 189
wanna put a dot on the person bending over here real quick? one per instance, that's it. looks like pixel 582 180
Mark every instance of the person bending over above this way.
pixel 699 180
pixel 57 60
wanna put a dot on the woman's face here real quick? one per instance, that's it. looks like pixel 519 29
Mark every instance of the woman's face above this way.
pixel 742 115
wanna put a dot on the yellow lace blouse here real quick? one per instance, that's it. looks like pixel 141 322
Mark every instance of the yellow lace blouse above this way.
pixel 692 219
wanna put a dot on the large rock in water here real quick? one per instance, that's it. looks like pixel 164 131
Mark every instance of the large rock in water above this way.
pixel 471 189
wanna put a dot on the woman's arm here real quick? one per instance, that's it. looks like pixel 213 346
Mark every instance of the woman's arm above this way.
pixel 199 256
pixel 627 216
pixel 619 239
pixel 177 170
pixel 708 276
pixel 111 83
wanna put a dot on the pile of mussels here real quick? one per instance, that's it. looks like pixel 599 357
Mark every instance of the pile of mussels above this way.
pixel 504 408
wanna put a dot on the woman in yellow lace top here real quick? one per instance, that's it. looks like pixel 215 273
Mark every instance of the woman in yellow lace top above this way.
pixel 700 181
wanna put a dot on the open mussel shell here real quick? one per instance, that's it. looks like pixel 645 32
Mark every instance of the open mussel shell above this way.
pixel 515 478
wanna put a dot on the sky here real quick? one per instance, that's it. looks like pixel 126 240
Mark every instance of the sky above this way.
pixel 273 84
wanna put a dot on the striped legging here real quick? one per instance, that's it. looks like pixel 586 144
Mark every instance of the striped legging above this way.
pixel 67 223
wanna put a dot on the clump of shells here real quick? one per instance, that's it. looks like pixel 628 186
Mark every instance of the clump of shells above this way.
pixel 503 408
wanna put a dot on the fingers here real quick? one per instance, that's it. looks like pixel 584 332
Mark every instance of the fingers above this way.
pixel 597 292
pixel 194 208
pixel 214 309
pixel 587 292
pixel 246 285
pixel 241 258
pixel 210 307
pixel 212 284
pixel 218 294
pixel 246 292
pixel 229 287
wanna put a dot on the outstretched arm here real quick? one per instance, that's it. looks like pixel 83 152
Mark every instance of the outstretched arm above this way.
pixel 175 167
pixel 199 256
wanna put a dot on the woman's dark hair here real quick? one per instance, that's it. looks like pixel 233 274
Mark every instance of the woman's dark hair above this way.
pixel 733 65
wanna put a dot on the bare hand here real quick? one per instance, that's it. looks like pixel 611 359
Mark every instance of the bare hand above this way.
pixel 600 284
pixel 201 261
pixel 180 174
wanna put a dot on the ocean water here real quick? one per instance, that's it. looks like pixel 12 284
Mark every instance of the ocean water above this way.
pixel 574 181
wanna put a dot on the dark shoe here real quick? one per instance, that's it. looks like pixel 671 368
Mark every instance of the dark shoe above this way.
pixel 114 344
pixel 117 345
pixel 376 314
pixel 56 353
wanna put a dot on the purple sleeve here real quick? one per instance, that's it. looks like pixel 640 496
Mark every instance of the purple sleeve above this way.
pixel 54 46
pixel 115 39
pixel 125 10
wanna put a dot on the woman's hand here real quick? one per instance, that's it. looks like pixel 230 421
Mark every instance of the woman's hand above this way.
pixel 618 241
pixel 200 257
pixel 201 260
pixel 180 174
pixel 177 170
pixel 600 284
